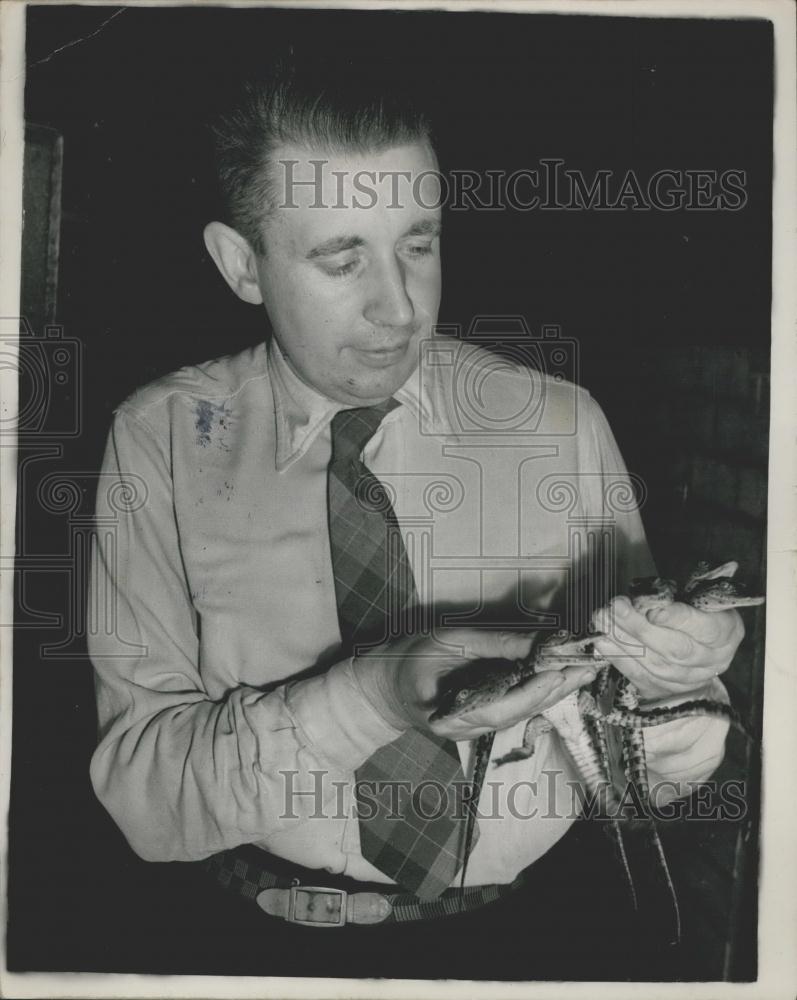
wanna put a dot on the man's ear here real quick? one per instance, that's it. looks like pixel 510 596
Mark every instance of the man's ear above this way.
pixel 235 259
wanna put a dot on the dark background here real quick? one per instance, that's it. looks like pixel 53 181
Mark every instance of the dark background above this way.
pixel 664 307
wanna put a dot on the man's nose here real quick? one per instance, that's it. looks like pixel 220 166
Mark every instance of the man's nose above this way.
pixel 388 302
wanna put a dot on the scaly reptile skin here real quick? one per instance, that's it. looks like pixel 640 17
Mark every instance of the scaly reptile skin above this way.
pixel 486 681
pixel 578 719
pixel 707 590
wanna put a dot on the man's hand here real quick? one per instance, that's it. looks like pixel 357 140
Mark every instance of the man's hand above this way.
pixel 669 651
pixel 402 681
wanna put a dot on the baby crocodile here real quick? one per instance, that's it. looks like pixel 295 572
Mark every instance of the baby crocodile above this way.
pixel 484 681
pixel 720 593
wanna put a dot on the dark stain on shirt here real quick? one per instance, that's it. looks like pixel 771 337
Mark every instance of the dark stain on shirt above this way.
pixel 211 420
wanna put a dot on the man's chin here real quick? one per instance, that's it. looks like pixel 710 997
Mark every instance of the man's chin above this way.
pixel 367 385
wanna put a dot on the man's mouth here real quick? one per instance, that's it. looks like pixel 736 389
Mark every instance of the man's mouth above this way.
pixel 382 357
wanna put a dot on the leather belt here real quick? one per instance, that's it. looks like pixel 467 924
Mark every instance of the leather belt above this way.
pixel 292 893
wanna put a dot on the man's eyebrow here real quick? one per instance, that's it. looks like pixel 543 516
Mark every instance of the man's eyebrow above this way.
pixel 337 244
pixel 424 227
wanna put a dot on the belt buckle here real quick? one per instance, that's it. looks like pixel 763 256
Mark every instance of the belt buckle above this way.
pixel 304 900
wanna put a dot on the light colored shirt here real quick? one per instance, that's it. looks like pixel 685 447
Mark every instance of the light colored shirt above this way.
pixel 227 711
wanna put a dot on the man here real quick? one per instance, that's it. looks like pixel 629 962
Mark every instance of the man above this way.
pixel 317 531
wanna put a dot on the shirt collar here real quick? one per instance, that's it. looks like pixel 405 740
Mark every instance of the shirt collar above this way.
pixel 302 413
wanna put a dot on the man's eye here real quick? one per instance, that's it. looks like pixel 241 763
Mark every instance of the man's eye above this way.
pixel 342 269
pixel 419 249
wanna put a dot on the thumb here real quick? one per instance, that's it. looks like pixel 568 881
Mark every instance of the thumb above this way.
pixel 700 625
pixel 480 644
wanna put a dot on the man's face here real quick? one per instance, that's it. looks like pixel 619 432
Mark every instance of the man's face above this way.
pixel 351 273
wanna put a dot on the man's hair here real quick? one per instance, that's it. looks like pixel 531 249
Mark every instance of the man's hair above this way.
pixel 308 110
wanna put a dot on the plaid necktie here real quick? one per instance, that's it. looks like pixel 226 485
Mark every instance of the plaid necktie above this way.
pixel 412 818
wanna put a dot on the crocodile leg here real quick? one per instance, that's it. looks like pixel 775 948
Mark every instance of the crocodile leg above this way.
pixel 597 729
pixel 570 725
pixel 535 727
pixel 636 769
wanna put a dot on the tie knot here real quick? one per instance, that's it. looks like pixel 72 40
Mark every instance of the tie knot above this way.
pixel 353 429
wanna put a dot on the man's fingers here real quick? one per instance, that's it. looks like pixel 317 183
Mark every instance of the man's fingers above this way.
pixel 648 640
pixel 531 692
pixel 563 681
pixel 655 668
pixel 476 644
pixel 532 696
pixel 676 633
pixel 713 631
pixel 709 629
pixel 529 698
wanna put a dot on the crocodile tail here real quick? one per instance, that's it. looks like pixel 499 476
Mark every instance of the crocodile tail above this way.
pixel 644 718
